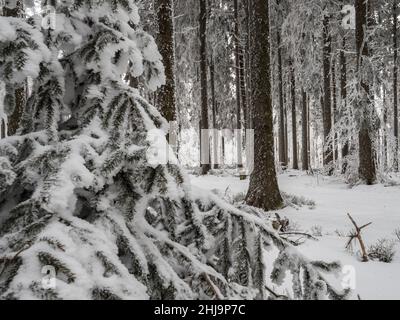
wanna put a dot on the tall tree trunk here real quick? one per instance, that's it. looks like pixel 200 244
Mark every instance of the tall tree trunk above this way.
pixel 367 170
pixel 19 92
pixel 294 118
pixel 304 122
pixel 2 129
pixel 204 126
pixel 395 89
pixel 263 190
pixel 243 89
pixel 309 132
pixel 334 111
pixel 385 135
pixel 247 7
pixel 327 110
pixel 343 93
pixel 214 114
pixel 282 155
pixel 238 87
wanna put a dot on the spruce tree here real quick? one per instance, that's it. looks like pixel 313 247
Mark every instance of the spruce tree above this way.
pixel 263 190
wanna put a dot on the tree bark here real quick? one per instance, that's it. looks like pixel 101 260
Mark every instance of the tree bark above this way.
pixel 294 118
pixel 395 88
pixel 263 190
pixel 239 102
pixel 385 135
pixel 343 93
pixel 367 170
pixel 304 122
pixel 247 8
pixel 2 129
pixel 282 155
pixel 214 114
pixel 204 126
pixel 286 128
pixel 327 109
pixel 334 111
pixel 165 39
pixel 20 91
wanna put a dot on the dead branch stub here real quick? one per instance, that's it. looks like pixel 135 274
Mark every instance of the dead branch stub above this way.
pixel 357 235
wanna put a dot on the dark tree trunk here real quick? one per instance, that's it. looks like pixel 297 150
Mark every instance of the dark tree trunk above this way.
pixel 334 110
pixel 247 7
pixel 343 93
pixel 165 40
pixel 20 91
pixel 367 170
pixel 243 89
pixel 2 129
pixel 204 126
pixel 309 132
pixel 385 136
pixel 327 110
pixel 304 122
pixel 214 114
pixel 238 87
pixel 286 137
pixel 282 155
pixel 294 118
pixel 395 88
pixel 263 190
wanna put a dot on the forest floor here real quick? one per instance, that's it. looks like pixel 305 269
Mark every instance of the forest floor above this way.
pixel 328 221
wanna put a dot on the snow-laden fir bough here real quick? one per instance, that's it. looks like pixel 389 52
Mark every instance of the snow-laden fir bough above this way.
pixel 77 193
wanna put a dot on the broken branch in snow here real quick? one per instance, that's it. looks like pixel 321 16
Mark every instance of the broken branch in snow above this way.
pixel 213 287
pixel 9 260
pixel 309 236
pixel 357 235
pixel 280 224
pixel 277 296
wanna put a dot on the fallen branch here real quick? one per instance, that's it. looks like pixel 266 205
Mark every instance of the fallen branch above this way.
pixel 357 235
pixel 277 296
pixel 213 287
pixel 309 236
pixel 7 260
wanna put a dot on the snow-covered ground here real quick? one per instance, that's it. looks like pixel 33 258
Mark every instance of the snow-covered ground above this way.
pixel 333 200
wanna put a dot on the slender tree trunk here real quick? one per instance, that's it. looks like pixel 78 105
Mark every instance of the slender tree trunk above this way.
pixel 304 123
pixel 286 135
pixel 294 118
pixel 243 89
pixel 214 114
pixel 263 190
pixel 282 155
pixel 334 111
pixel 395 88
pixel 247 7
pixel 19 92
pixel 385 136
pixel 327 110
pixel 343 93
pixel 367 170
pixel 204 127
pixel 309 132
pixel 3 129
pixel 238 87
